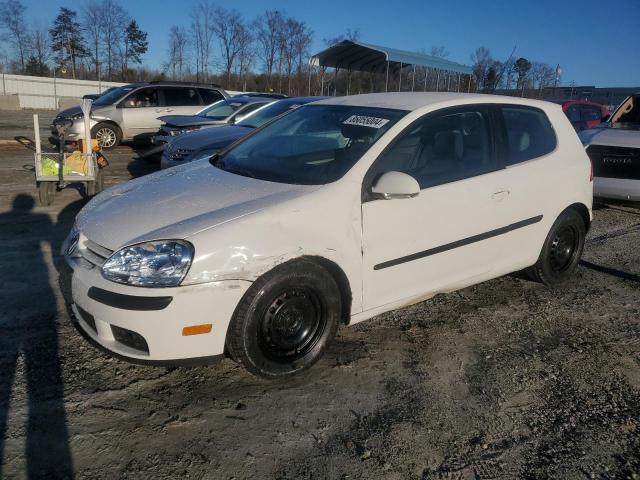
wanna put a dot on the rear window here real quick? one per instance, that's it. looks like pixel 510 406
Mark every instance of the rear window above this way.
pixel 180 96
pixel 529 134
pixel 209 96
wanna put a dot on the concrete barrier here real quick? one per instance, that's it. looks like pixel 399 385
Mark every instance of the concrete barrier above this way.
pixel 68 102
pixel 9 102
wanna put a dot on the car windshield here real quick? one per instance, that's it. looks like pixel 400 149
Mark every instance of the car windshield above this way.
pixel 112 96
pixel 221 109
pixel 267 112
pixel 312 145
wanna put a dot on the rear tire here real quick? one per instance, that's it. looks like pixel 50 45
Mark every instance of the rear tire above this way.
pixel 561 251
pixel 286 320
pixel 107 135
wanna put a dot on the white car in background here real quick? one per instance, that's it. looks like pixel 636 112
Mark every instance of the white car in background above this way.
pixel 341 210
pixel 614 148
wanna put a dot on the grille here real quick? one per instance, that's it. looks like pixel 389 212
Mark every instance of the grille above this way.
pixel 130 339
pixel 93 253
pixel 615 162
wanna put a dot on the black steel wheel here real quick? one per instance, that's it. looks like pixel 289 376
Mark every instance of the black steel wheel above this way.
pixel 561 251
pixel 286 320
pixel 291 325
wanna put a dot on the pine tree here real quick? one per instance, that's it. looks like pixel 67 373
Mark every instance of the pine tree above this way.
pixel 67 40
pixel 135 45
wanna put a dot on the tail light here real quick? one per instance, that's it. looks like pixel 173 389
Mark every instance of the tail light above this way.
pixel 591 170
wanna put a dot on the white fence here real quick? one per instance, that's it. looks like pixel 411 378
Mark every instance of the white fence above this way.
pixel 47 92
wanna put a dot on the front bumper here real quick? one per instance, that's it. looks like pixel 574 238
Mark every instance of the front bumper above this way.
pixel 616 188
pixel 131 323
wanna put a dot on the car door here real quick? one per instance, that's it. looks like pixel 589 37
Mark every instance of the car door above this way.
pixel 532 177
pixel 446 235
pixel 180 100
pixel 140 112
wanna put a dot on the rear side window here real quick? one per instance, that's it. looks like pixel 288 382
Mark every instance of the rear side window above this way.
pixel 209 96
pixel 443 147
pixel 180 96
pixel 529 133
pixel 591 112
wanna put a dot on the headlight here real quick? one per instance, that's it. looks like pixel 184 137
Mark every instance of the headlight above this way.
pixel 162 263
pixel 77 116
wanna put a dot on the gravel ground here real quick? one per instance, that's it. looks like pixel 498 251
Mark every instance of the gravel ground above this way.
pixel 507 379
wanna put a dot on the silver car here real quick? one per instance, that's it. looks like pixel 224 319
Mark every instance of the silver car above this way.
pixel 131 112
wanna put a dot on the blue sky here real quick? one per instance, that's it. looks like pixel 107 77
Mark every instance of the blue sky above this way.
pixel 595 42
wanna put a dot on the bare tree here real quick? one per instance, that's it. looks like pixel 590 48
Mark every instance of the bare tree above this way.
pixel 113 21
pixel 229 28
pixel 482 61
pixel 178 41
pixel 350 34
pixel 440 52
pixel 92 20
pixel 12 20
pixel 202 17
pixel 246 56
pixel 40 49
pixel 268 36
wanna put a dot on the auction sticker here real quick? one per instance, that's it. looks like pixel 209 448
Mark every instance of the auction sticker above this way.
pixel 364 121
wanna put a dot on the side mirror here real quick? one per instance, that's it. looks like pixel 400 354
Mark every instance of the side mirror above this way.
pixel 392 185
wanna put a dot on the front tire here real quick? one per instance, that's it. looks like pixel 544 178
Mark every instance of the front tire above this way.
pixel 286 320
pixel 561 251
pixel 107 135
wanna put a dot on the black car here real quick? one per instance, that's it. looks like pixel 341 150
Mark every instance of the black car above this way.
pixel 195 145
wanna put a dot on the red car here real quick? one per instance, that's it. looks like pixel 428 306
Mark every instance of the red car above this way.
pixel 584 114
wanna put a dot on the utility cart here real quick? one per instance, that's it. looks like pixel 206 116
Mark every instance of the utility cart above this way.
pixel 55 170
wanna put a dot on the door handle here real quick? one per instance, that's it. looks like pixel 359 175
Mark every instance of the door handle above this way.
pixel 500 195
pixel 169 110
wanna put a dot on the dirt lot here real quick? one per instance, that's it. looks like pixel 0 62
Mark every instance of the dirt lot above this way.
pixel 504 380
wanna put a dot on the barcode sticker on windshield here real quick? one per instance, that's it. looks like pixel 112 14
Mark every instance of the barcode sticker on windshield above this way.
pixel 363 121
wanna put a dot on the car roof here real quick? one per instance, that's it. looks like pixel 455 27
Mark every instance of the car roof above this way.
pixel 416 100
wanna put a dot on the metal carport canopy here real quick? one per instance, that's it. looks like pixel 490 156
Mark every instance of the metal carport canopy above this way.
pixel 373 58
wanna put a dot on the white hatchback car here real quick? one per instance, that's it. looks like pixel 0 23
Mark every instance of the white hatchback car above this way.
pixel 339 211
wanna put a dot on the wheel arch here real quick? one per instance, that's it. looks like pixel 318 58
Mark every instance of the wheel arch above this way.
pixel 583 211
pixel 110 123
pixel 341 279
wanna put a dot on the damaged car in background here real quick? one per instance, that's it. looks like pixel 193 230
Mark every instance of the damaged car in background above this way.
pixel 334 213
pixel 614 149
pixel 223 112
pixel 203 144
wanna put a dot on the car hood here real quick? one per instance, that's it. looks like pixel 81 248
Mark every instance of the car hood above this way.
pixel 70 112
pixel 188 120
pixel 611 136
pixel 210 137
pixel 177 203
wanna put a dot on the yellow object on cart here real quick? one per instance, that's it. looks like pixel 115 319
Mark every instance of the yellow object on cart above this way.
pixel 75 163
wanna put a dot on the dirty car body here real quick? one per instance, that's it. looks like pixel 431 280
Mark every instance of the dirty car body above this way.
pixel 387 199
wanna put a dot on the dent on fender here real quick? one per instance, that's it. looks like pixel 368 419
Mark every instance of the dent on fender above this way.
pixel 240 264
